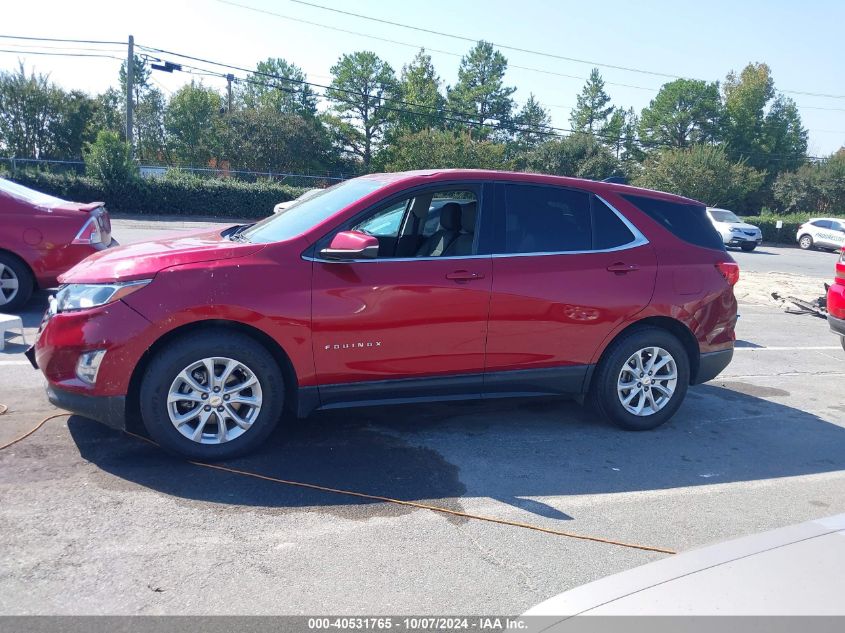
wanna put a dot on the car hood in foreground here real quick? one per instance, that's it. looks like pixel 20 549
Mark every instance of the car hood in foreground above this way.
pixel 796 570
pixel 145 259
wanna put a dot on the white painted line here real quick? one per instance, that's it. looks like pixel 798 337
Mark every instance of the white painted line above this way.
pixel 785 349
pixel 4 363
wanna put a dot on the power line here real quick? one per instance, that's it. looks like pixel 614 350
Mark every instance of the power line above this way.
pixel 508 46
pixel 419 46
pixel 53 54
pixel 63 48
pixel 57 39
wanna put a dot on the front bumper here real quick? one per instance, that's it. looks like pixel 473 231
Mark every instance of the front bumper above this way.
pixel 739 240
pixel 110 410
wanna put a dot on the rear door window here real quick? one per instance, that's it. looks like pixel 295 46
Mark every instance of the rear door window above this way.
pixel 687 222
pixel 543 219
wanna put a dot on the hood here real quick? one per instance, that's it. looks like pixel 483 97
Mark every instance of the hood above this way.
pixel 144 259
pixel 738 225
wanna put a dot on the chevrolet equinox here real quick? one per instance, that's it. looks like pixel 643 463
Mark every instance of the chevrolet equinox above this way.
pixel 397 288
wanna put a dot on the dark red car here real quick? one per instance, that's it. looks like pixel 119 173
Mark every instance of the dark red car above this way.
pixel 41 237
pixel 398 288
pixel 836 301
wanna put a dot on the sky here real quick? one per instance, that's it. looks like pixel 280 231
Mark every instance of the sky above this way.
pixel 800 41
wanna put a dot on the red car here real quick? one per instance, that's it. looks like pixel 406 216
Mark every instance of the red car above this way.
pixel 398 288
pixel 41 237
pixel 836 301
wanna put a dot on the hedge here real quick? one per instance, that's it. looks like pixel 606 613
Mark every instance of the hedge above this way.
pixel 181 195
pixel 768 225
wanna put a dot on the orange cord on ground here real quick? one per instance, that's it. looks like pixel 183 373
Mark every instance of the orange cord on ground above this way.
pixel 361 495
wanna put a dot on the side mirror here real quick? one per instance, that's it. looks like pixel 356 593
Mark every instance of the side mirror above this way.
pixel 351 245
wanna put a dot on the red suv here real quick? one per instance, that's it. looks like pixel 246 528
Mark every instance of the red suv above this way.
pixel 398 288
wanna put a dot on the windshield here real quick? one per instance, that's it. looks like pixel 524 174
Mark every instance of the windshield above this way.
pixel 29 195
pixel 720 215
pixel 308 212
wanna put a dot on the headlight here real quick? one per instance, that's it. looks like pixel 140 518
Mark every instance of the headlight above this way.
pixel 735 230
pixel 84 296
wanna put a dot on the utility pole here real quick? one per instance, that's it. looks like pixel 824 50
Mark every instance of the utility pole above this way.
pixel 130 80
pixel 229 79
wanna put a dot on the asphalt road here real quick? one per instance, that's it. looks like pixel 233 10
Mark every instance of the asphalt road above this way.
pixel 787 259
pixel 95 522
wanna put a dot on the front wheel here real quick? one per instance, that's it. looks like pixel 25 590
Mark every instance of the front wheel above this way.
pixel 805 242
pixel 211 396
pixel 642 379
pixel 748 247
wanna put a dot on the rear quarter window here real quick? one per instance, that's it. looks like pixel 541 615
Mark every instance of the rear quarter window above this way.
pixel 687 222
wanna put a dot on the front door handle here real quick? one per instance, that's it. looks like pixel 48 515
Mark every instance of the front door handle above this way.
pixel 464 275
pixel 621 268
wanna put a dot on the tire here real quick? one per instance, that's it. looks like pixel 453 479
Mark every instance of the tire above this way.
pixel 748 247
pixel 605 396
pixel 805 242
pixel 16 283
pixel 181 364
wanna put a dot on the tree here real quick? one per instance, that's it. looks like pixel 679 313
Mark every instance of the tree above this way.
pixel 279 86
pixel 40 120
pixel 361 85
pixel 579 155
pixel 107 113
pixel 109 160
pixel 190 123
pixel 419 91
pixel 701 172
pixel 533 124
pixel 267 140
pixel 818 188
pixel 149 126
pixel 592 105
pixel 441 149
pixel 27 107
pixel 761 126
pixel 480 94
pixel 70 128
pixel 684 112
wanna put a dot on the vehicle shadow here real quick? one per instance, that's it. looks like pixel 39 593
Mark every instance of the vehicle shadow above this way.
pixel 510 450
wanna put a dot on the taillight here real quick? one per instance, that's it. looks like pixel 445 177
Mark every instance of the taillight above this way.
pixel 89 233
pixel 729 270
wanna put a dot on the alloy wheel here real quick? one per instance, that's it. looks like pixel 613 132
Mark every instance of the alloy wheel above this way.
pixel 9 284
pixel 647 381
pixel 214 400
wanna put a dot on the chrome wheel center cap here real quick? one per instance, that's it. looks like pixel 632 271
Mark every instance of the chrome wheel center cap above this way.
pixel 215 401
pixel 647 380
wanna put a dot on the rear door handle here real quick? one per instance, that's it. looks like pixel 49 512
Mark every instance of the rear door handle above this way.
pixel 620 267
pixel 464 275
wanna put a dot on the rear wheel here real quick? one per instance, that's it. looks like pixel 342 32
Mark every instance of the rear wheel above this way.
pixel 805 242
pixel 748 247
pixel 642 379
pixel 16 283
pixel 212 396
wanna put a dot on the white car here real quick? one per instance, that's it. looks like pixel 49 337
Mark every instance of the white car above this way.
pixel 821 233
pixel 287 204
pixel 734 231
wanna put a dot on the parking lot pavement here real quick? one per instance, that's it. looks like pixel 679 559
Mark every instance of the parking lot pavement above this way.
pixel 787 259
pixel 94 521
